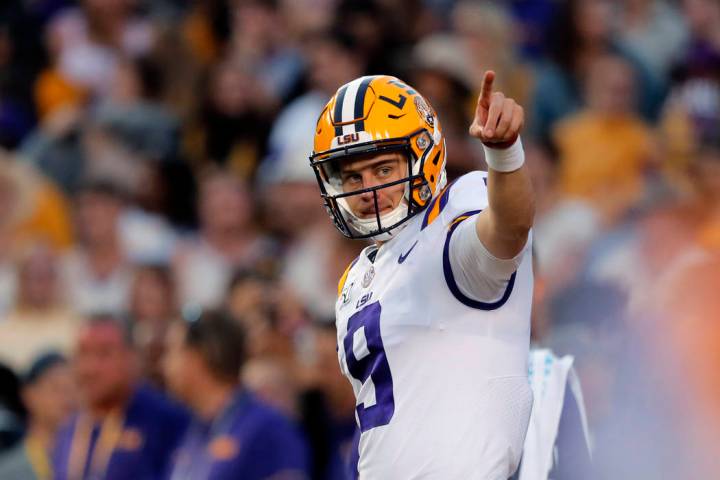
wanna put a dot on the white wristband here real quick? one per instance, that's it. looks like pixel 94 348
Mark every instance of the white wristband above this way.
pixel 505 159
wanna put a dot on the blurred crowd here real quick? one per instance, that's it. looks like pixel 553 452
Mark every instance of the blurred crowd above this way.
pixel 166 265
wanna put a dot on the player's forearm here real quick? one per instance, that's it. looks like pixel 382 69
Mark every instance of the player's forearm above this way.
pixel 504 226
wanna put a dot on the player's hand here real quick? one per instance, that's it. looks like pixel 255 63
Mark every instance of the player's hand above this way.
pixel 498 119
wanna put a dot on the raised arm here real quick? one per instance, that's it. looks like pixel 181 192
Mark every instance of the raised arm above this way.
pixel 504 226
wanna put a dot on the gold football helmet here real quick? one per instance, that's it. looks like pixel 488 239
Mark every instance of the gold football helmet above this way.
pixel 377 114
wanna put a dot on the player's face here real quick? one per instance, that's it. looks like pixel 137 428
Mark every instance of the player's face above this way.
pixel 371 171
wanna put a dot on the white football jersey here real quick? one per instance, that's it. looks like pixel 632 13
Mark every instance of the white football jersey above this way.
pixel 440 378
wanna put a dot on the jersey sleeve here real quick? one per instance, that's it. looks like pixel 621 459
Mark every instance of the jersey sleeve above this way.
pixel 473 273
pixel 478 273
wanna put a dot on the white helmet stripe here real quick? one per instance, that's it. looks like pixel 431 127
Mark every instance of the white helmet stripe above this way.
pixel 360 102
pixel 348 107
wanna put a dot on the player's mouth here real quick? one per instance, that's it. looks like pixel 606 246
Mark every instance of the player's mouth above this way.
pixel 370 212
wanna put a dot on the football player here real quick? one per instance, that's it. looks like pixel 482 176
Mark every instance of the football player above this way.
pixel 433 318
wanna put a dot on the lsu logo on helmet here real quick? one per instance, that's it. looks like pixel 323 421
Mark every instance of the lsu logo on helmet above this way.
pixel 376 114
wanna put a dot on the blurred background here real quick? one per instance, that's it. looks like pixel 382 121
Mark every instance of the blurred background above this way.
pixel 154 166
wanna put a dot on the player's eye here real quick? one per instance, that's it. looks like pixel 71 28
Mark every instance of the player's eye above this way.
pixel 352 179
pixel 385 171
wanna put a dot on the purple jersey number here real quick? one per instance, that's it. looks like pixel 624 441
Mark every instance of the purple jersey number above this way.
pixel 372 364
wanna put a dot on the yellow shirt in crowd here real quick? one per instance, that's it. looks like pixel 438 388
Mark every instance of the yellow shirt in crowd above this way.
pixel 601 158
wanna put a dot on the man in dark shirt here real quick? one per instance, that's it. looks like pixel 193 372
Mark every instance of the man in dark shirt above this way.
pixel 124 429
pixel 233 434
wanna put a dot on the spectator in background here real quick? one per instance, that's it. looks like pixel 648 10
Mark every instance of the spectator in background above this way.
pixel 119 132
pixel 250 300
pixel 692 112
pixel 124 429
pixel 272 383
pixel 276 328
pixel 368 24
pixel 233 435
pixel 86 44
pixel 655 31
pixel 205 28
pixel 304 17
pixel 113 141
pixel 565 229
pixel 153 308
pixel 96 273
pixel 580 32
pixel 133 111
pixel 605 148
pixel 75 148
pixel 684 214
pixel 532 19
pixel 132 138
pixel 679 223
pixel 701 59
pixel 260 41
pixel 487 31
pixel 55 147
pixel 49 396
pixel 229 239
pixel 234 120
pixel 139 124
pixel 88 41
pixel 32 208
pixel 40 320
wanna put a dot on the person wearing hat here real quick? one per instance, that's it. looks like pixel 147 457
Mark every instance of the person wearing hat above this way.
pixel 48 395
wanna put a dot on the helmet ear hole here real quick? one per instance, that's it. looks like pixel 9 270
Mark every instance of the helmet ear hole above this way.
pixel 422 141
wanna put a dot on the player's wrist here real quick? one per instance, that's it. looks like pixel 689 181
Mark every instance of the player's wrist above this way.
pixel 507 157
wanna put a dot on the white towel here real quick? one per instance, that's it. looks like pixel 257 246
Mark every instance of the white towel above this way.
pixel 548 377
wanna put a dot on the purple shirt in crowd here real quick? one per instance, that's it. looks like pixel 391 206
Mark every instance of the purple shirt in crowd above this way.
pixel 248 441
pixel 137 445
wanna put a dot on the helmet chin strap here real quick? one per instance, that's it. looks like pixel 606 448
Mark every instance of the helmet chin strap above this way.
pixel 366 225
pixel 391 218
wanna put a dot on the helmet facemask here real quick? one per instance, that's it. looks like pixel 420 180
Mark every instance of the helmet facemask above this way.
pixel 368 116
pixel 327 166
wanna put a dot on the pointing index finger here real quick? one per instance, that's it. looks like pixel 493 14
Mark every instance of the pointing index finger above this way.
pixel 486 89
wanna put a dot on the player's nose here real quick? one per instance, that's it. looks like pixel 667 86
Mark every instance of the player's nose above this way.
pixel 370 179
pixel 367 197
